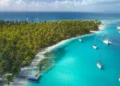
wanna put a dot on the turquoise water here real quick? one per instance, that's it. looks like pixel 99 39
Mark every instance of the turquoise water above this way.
pixel 77 62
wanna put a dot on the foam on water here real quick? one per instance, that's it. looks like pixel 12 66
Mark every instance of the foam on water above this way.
pixel 77 67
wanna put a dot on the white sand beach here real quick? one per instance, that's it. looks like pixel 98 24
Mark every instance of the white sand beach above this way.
pixel 32 69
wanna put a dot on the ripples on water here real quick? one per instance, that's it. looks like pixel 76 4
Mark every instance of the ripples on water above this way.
pixel 76 62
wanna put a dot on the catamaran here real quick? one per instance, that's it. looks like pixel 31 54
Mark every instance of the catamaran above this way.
pixel 106 41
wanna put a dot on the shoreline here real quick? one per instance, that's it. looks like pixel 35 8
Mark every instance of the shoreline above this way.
pixel 39 57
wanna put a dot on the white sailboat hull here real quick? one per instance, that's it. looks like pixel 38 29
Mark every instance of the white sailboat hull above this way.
pixel 99 65
pixel 107 42
pixel 119 79
pixel 80 40
pixel 101 27
pixel 95 47
pixel 118 27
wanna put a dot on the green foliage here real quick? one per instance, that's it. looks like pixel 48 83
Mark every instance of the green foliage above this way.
pixel 20 41
pixel 9 79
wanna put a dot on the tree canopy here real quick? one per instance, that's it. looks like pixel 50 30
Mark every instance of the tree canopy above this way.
pixel 21 41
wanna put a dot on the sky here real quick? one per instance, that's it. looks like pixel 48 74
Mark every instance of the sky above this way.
pixel 61 5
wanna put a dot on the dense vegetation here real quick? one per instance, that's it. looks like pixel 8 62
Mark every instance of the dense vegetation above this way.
pixel 20 41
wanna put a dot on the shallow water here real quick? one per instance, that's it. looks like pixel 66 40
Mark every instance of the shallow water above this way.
pixel 77 63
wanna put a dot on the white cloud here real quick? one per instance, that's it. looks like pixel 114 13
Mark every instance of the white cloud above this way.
pixel 58 5
pixel 4 2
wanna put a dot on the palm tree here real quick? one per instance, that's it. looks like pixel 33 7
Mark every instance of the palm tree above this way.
pixel 9 79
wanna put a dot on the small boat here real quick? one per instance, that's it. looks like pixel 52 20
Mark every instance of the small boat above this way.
pixel 119 78
pixel 99 65
pixel 93 31
pixel 27 19
pixel 101 27
pixel 106 41
pixel 80 40
pixel 118 27
pixel 94 46
pixel 34 79
pixel 103 35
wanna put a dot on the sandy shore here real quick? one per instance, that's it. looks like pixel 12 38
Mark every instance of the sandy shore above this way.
pixel 31 70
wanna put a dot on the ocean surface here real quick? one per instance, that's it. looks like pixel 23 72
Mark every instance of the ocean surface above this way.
pixel 53 16
pixel 76 63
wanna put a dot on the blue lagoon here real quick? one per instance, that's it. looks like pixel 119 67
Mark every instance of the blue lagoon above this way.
pixel 77 65
pixel 76 62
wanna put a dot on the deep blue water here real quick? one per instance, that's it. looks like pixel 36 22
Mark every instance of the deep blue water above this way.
pixel 51 16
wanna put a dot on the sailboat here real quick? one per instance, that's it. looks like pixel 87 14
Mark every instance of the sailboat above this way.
pixel 80 40
pixel 119 78
pixel 99 65
pixel 94 46
pixel 118 27
pixel 37 19
pixel 101 27
pixel 103 35
pixel 106 41
pixel 27 19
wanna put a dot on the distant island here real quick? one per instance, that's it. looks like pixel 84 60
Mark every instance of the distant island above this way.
pixel 21 41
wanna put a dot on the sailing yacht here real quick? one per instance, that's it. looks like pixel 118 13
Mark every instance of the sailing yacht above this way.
pixel 99 65
pixel 101 27
pixel 27 19
pixel 80 40
pixel 118 27
pixel 103 35
pixel 119 78
pixel 37 19
pixel 94 46
pixel 106 41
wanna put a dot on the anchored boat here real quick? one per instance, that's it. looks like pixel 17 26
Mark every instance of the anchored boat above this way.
pixel 118 27
pixel 119 78
pixel 99 65
pixel 106 41
pixel 34 79
pixel 94 46
pixel 80 40
pixel 103 35
pixel 101 27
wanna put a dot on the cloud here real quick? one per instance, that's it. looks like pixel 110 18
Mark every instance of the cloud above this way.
pixel 59 5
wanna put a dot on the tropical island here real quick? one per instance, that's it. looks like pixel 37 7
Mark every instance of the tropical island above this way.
pixel 20 41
